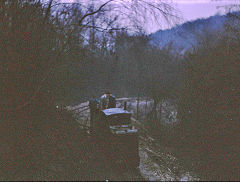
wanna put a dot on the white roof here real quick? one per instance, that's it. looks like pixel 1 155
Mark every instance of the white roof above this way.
pixel 111 111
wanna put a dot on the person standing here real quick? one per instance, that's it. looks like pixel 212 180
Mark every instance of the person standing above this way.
pixel 107 101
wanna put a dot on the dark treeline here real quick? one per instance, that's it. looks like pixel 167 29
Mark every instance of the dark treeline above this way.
pixel 208 105
pixel 133 67
pixel 33 133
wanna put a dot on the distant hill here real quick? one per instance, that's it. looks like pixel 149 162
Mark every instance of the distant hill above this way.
pixel 183 37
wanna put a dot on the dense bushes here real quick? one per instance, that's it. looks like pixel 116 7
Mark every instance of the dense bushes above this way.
pixel 208 108
pixel 34 135
pixel 28 40
pixel 206 136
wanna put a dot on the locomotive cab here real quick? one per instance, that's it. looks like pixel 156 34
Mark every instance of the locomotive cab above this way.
pixel 114 128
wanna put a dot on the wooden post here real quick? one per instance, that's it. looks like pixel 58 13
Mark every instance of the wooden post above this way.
pixel 137 106
pixel 125 105
pixel 146 107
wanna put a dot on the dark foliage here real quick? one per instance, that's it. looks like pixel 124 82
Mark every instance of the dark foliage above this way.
pixel 209 108
pixel 37 140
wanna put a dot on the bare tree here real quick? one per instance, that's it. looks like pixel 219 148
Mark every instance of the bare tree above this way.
pixel 110 15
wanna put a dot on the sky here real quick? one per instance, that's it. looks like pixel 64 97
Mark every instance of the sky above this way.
pixel 187 10
pixel 190 10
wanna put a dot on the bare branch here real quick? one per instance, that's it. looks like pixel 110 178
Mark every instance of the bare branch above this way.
pixel 108 27
pixel 48 11
pixel 94 12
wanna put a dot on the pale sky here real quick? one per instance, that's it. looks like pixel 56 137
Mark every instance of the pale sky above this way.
pixel 187 9
pixel 201 9
pixel 194 9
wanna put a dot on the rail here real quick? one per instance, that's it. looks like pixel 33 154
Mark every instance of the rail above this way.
pixel 83 126
pixel 79 108
pixel 86 108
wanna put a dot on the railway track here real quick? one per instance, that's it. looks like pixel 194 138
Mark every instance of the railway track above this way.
pixel 106 171
pixel 155 164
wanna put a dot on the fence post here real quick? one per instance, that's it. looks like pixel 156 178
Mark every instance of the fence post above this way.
pixel 125 105
pixel 137 106
pixel 146 108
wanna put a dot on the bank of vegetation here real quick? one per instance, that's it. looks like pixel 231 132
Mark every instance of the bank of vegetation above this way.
pixel 206 134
